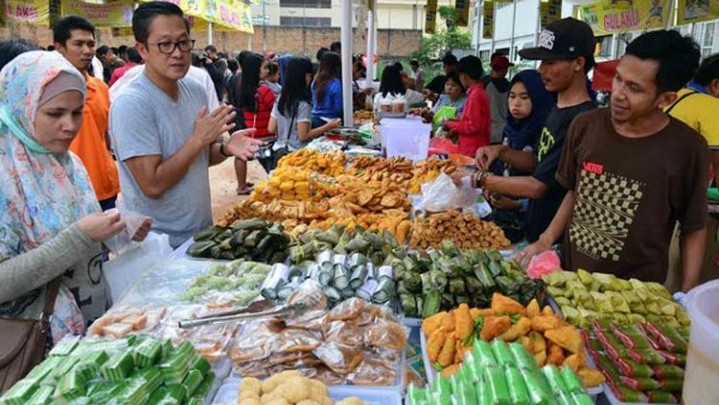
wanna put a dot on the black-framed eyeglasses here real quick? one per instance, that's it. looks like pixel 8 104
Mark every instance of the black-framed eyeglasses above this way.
pixel 169 47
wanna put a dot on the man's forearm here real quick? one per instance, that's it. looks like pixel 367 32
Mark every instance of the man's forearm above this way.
pixel 516 186
pixel 693 246
pixel 560 221
pixel 518 159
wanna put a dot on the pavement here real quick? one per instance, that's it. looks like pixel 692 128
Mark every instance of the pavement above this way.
pixel 223 185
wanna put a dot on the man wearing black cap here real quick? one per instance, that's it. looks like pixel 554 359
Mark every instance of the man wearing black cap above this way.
pixel 566 49
pixel 497 86
pixel 436 86
pixel 632 171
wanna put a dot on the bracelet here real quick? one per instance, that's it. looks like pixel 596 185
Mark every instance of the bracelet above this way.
pixel 223 152
pixel 481 178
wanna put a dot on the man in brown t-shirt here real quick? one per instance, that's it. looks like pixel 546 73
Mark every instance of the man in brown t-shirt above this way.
pixel 632 171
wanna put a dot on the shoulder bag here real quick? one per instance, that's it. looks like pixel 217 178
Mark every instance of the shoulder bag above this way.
pixel 23 342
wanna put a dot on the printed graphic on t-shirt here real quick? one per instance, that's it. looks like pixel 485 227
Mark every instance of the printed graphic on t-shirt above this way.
pixel 546 141
pixel 604 212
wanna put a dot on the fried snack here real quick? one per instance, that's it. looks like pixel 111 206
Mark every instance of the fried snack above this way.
pixel 432 323
pixel 448 322
pixel 251 385
pixel 573 361
pixel 446 356
pixel 543 323
pixel 435 343
pixel 519 329
pixel 464 324
pixel 541 358
pixel 339 358
pixel 461 352
pixel 590 377
pixel 506 305
pixel 428 170
pixel 449 371
pixel 533 308
pixel 527 343
pixel 555 355
pixel 250 401
pixel 494 326
pixel 547 310
pixel 538 342
pixel 566 337
pixel 464 229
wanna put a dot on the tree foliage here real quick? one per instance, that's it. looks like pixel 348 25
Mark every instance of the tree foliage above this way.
pixel 445 39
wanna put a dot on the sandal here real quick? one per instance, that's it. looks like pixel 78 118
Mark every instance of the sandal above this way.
pixel 245 191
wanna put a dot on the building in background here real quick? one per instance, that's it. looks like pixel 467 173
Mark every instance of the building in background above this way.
pixel 610 46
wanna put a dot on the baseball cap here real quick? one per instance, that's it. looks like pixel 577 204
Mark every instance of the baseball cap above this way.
pixel 500 62
pixel 567 38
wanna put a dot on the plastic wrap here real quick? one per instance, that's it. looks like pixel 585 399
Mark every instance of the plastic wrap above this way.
pixel 363 346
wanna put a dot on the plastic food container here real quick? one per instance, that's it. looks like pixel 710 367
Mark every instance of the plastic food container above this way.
pixel 702 369
pixel 227 394
pixel 406 137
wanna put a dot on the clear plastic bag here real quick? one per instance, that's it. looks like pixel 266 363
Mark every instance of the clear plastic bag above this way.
pixel 442 194
pixel 123 242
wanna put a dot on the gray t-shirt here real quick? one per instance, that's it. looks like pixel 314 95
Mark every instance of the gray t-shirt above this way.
pixel 304 114
pixel 145 121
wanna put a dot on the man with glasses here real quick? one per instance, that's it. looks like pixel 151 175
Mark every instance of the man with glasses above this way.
pixel 165 139
pixel 74 38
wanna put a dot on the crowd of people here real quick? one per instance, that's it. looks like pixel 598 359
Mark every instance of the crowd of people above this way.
pixel 149 120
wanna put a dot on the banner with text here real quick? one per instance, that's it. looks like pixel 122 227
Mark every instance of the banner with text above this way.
pixel 29 11
pixel 461 13
pixel 692 11
pixel 615 16
pixel 550 12
pixel 488 20
pixel 430 19
pixel 227 15
pixel 114 13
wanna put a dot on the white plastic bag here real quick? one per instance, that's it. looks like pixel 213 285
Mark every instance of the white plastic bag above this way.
pixel 442 194
pixel 122 242
pixel 122 271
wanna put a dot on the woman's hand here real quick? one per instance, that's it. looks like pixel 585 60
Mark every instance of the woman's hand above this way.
pixel 101 226
pixel 333 123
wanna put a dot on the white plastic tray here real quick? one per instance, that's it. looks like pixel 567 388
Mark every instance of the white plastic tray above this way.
pixel 227 394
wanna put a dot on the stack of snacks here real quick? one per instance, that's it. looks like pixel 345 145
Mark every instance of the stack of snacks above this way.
pixel 447 277
pixel 252 240
pixel 451 335
pixel 583 297
pixel 288 387
pixel 355 343
pixel 233 284
pixel 130 371
pixel 642 363
pixel 503 374
pixel 464 229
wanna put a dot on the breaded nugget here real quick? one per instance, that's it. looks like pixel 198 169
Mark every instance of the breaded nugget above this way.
pixel 494 326
pixel 446 356
pixel 432 323
pixel 435 343
pixel 464 325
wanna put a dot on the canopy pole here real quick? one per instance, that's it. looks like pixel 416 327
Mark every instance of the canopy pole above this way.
pixel 371 34
pixel 209 33
pixel 670 15
pixel 538 28
pixel 347 61
pixel 494 31
pixel 512 55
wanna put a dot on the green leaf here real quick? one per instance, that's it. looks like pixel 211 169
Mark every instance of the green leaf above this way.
pixel 515 318
pixel 437 366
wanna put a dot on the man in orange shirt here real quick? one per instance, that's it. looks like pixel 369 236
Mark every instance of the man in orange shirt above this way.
pixel 74 38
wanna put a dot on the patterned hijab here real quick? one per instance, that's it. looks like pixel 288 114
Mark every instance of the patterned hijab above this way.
pixel 41 193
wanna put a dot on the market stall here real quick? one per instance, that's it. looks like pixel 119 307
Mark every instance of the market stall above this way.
pixel 336 282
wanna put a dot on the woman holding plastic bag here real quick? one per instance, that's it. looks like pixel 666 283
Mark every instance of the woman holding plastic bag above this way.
pixel 50 221
pixel 449 105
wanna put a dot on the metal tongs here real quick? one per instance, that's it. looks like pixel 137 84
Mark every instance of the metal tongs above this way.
pixel 255 310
